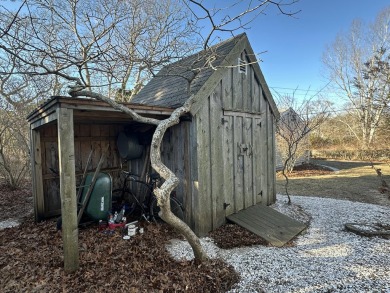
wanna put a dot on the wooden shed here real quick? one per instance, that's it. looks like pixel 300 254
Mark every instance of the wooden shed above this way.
pixel 223 150
pixel 292 126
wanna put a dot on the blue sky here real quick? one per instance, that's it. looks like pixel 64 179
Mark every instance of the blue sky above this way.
pixel 295 45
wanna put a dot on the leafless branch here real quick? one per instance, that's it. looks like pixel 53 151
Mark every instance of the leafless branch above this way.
pixel 251 11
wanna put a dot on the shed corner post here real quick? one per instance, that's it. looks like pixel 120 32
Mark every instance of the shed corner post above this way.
pixel 68 188
pixel 274 159
pixel 36 174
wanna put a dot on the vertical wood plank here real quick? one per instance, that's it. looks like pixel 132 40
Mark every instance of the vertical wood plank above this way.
pixel 37 179
pixel 252 82
pixel 203 205
pixel 255 92
pixel 239 163
pixel 264 152
pixel 248 158
pixel 257 160
pixel 85 148
pixel 52 196
pixel 245 84
pixel 257 145
pixel 273 163
pixel 104 130
pixel 237 89
pixel 68 189
pixel 228 164
pixel 270 154
pixel 194 172
pixel 95 130
pixel 97 152
pixel 173 154
pixel 85 130
pixel 186 197
pixel 216 156
pixel 76 129
pixel 227 91
pixel 77 155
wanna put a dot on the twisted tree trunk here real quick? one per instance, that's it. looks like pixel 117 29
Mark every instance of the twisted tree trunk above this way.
pixel 171 181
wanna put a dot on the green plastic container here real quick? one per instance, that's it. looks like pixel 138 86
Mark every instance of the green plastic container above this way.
pixel 100 200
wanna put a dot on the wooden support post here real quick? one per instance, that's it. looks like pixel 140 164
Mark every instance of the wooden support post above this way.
pixel 37 181
pixel 68 189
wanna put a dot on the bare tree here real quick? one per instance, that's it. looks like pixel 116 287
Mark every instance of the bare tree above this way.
pixel 19 94
pixel 119 42
pixel 294 127
pixel 14 148
pixel 358 65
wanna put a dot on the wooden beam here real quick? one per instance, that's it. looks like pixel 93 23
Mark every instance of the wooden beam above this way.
pixel 88 106
pixel 68 189
pixel 46 118
pixel 245 114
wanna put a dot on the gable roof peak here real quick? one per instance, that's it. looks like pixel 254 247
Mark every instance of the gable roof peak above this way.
pixel 177 81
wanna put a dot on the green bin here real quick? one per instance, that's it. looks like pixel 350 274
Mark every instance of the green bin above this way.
pixel 100 200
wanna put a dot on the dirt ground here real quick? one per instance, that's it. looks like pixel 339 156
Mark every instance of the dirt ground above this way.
pixel 356 181
pixel 31 258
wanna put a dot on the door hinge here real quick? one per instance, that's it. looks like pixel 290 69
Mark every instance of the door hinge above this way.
pixel 225 205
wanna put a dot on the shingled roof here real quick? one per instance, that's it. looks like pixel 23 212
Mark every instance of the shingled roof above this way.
pixel 170 87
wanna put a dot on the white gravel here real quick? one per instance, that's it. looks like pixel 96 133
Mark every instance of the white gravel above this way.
pixel 326 258
pixel 9 223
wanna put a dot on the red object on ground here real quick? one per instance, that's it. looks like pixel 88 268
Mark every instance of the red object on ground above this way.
pixel 113 226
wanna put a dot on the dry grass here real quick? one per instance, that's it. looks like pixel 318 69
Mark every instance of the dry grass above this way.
pixel 356 181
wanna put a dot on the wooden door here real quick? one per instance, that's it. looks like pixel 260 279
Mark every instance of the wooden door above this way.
pixel 242 151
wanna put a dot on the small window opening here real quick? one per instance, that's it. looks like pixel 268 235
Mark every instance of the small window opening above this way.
pixel 242 65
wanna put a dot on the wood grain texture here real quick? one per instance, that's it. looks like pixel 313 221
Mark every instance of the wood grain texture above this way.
pixel 68 189
pixel 202 204
pixel 37 178
pixel 269 224
pixel 216 158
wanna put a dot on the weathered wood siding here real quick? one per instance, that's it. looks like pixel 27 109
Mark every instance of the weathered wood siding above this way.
pixel 175 155
pixel 86 138
pixel 37 182
pixel 234 136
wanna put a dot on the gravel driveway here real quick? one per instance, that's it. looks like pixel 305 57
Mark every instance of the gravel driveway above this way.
pixel 325 259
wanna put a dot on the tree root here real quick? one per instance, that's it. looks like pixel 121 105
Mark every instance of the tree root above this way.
pixel 369 230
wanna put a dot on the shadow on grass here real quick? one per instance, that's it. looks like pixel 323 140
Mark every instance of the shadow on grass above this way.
pixel 341 165
pixel 363 188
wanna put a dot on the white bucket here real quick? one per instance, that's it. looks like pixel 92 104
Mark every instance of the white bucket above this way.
pixel 131 229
